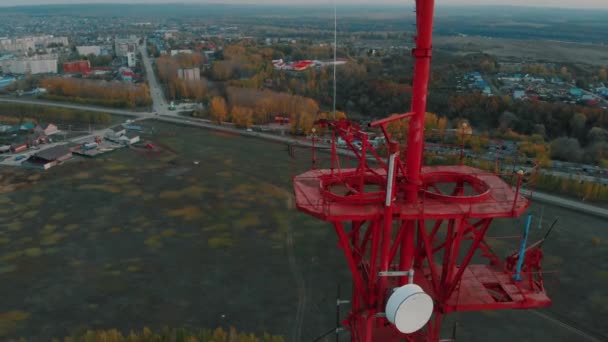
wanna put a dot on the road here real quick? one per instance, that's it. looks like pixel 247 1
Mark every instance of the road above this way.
pixel 87 108
pixel 156 92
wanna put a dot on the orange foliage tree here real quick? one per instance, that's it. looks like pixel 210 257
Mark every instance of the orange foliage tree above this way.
pixel 218 109
pixel 115 94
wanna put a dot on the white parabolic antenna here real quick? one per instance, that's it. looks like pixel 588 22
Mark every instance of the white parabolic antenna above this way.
pixel 409 308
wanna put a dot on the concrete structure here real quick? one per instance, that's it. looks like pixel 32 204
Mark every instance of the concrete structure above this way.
pixel 124 46
pixel 33 43
pixel 190 74
pixel 89 50
pixel 50 157
pixel 131 60
pixel 40 64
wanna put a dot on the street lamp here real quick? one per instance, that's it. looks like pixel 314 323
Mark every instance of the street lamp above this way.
pixel 464 126
pixel 314 158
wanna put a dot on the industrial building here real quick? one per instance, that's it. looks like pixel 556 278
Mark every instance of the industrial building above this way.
pixel 89 50
pixel 50 157
pixel 82 66
pixel 40 64
pixel 190 74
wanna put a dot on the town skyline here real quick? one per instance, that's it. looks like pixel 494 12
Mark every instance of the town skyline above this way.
pixel 597 4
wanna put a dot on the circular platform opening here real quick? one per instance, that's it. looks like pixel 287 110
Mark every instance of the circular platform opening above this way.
pixel 409 308
pixel 353 187
pixel 453 186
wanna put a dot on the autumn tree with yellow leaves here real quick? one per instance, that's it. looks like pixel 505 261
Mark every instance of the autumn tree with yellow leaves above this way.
pixel 241 116
pixel 218 109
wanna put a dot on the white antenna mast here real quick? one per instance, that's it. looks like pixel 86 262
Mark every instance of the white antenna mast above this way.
pixel 335 52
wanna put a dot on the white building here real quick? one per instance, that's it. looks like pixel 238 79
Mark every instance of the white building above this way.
pixel 131 60
pixel 32 43
pixel 89 50
pixel 177 52
pixel 40 64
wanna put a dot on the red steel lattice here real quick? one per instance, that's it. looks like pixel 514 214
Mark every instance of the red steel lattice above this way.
pixel 400 222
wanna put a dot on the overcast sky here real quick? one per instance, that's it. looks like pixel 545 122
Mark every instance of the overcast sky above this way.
pixel 550 3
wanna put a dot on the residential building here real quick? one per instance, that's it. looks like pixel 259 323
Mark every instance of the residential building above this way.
pixel 48 129
pixel 519 94
pixel 32 43
pixel 124 46
pixel 131 60
pixel 89 50
pixel 40 64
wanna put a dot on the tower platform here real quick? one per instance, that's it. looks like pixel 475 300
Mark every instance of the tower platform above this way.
pixel 492 197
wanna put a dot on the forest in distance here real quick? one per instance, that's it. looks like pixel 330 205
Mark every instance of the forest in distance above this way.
pixel 529 23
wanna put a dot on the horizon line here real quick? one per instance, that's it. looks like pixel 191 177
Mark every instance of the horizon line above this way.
pixel 287 5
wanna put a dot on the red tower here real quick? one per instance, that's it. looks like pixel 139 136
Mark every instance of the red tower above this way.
pixel 409 232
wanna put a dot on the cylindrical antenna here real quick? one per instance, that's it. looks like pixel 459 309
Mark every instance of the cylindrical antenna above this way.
pixel 335 53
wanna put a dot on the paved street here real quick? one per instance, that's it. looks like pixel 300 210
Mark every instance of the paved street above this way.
pixel 156 92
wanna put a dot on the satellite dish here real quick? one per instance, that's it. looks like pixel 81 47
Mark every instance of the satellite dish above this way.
pixel 409 308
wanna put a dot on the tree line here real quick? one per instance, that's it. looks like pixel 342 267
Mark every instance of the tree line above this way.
pixel 103 93
pixel 575 133
pixel 245 107
pixel 177 89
